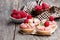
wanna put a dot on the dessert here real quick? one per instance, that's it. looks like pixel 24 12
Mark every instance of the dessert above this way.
pixel 41 24
pixel 43 29
pixel 45 6
pixel 27 27
pixel 47 27
pixel 39 9
pixel 35 26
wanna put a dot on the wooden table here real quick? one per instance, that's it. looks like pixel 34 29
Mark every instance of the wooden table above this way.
pixel 9 30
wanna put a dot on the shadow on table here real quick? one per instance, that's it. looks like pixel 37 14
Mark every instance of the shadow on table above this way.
pixel 32 34
pixel 10 22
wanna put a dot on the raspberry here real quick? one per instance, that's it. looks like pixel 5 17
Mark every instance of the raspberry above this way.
pixel 29 17
pixel 46 24
pixel 40 7
pixel 51 18
pixel 14 11
pixel 47 7
pixel 18 16
pixel 43 5
pixel 23 14
pixel 37 7
pixel 26 21
pixel 13 15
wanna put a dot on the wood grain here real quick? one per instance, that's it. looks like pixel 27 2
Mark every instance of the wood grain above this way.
pixel 6 27
pixel 19 36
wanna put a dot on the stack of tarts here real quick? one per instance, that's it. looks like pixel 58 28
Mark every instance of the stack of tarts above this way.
pixel 35 26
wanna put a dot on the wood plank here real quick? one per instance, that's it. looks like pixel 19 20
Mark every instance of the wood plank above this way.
pixel 23 3
pixel 19 36
pixel 53 2
pixel 6 27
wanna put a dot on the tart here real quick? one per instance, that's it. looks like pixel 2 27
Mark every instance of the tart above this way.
pixel 39 9
pixel 35 26
pixel 27 27
pixel 43 29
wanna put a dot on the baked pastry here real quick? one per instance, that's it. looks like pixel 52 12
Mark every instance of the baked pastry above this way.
pixel 47 27
pixel 38 9
pixel 35 26
pixel 27 27
pixel 44 29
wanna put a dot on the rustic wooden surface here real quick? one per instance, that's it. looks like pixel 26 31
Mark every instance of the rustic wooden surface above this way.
pixel 9 30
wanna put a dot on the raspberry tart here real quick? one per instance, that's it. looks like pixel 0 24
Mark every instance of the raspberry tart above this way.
pixel 47 27
pixel 28 26
pixel 39 9
pixel 44 29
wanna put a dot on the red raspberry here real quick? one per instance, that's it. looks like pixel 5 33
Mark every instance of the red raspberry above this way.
pixel 23 14
pixel 38 7
pixel 46 24
pixel 18 16
pixel 13 15
pixel 19 12
pixel 14 11
pixel 29 17
pixel 51 18
pixel 26 21
pixel 46 6
pixel 43 5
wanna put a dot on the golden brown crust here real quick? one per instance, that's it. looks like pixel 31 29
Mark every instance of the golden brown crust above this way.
pixel 27 31
pixel 43 33
pixel 46 32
